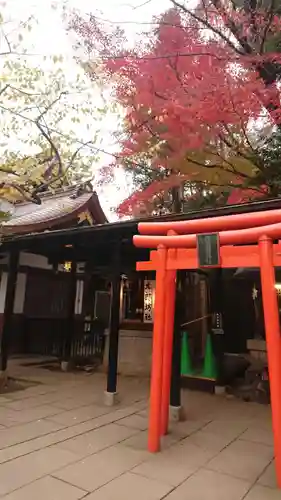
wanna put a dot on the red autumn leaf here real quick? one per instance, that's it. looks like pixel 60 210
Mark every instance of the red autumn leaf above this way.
pixel 190 99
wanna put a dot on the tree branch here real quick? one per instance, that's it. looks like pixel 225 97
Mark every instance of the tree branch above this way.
pixel 46 134
pixel 25 194
pixel 76 153
pixel 4 88
pixel 208 25
pixel 270 18
pixel 50 106
pixel 53 146
pixel 230 24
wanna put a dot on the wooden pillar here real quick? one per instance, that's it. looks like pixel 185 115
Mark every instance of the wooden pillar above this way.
pixel 154 426
pixel 70 320
pixel 9 308
pixel 170 292
pixel 273 342
pixel 114 323
pixel 175 393
pixel 216 323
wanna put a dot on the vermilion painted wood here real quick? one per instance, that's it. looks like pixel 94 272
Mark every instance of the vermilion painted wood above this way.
pixel 242 236
pixel 170 293
pixel 154 427
pixel 231 257
pixel 264 255
pixel 212 224
pixel 273 343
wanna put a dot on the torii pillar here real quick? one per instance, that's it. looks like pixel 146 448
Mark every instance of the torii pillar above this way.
pixel 231 231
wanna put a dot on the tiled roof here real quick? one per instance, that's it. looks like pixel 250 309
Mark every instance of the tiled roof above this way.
pixel 55 209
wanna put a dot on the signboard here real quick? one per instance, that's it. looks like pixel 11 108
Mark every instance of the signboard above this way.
pixel 208 248
pixel 148 309
pixel 218 331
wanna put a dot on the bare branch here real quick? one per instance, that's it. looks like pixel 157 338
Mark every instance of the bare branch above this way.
pixel 50 106
pixel 76 153
pixel 266 29
pixel 141 5
pixel 52 144
pixel 4 89
pixel 208 25
pixel 7 42
pixel 46 133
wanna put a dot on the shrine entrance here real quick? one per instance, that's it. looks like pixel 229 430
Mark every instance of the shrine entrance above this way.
pixel 248 241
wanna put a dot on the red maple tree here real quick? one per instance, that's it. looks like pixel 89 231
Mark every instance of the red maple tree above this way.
pixel 192 92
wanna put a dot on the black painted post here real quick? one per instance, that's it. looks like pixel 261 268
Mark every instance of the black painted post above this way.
pixel 175 394
pixel 9 308
pixel 70 320
pixel 111 389
pixel 218 338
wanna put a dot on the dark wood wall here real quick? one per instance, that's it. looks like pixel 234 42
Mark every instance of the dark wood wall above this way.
pixel 239 319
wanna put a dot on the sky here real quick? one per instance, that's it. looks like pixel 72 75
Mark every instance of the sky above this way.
pixel 48 37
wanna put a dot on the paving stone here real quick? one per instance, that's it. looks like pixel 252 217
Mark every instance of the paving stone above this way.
pixel 186 427
pixel 188 462
pixel 97 440
pixel 24 470
pixel 134 421
pixel 229 428
pixel 262 493
pixel 144 413
pixel 32 402
pixel 96 470
pixel 166 469
pixel 47 488
pixel 48 439
pixel 243 459
pixel 139 441
pixel 268 478
pixel 74 402
pixel 208 441
pixel 209 485
pixel 21 433
pixel 36 390
pixel 258 435
pixel 10 417
pixel 131 486
pixel 78 415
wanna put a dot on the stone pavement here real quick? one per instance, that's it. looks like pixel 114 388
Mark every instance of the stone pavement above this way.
pixel 59 442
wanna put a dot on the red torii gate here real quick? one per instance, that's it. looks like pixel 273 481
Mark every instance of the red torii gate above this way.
pixel 176 244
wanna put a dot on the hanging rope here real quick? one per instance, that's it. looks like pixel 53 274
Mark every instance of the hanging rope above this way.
pixel 196 320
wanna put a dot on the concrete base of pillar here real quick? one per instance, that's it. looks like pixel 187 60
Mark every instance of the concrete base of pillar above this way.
pixel 176 414
pixel 220 390
pixel 65 366
pixel 110 398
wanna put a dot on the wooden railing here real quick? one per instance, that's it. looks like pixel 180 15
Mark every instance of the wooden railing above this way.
pixel 49 336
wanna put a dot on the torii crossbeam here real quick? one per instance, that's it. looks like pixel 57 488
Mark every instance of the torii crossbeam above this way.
pixel 245 240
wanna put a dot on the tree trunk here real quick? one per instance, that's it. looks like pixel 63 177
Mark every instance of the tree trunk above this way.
pixel 177 199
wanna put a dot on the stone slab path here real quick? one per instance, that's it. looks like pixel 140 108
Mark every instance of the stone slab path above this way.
pixel 59 442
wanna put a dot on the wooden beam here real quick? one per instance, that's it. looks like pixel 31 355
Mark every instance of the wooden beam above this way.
pixel 8 308
pixel 114 325
pixel 231 257
pixel 212 224
pixel 70 320
pixel 236 237
pixel 273 343
pixel 175 391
